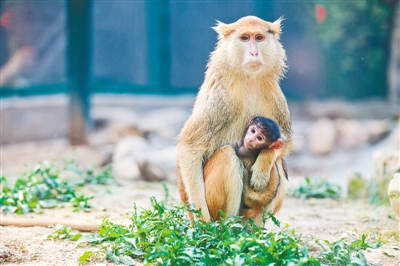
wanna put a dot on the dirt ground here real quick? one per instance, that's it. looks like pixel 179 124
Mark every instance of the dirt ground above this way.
pixel 313 218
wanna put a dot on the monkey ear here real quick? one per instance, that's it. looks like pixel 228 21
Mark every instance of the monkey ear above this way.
pixel 223 29
pixel 276 26
pixel 251 120
pixel 277 144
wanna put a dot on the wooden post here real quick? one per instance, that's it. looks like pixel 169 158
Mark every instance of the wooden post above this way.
pixel 79 21
pixel 158 47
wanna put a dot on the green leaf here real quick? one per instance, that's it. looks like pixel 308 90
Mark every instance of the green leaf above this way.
pixel 126 260
pixel 137 252
pixel 388 254
pixel 76 237
pixel 85 256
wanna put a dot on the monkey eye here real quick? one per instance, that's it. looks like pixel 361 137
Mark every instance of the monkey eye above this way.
pixel 253 131
pixel 259 38
pixel 244 38
pixel 259 138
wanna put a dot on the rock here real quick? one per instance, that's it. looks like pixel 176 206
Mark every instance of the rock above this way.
pixel 300 129
pixel 112 113
pixel 377 130
pixel 134 158
pixel 118 130
pixel 386 164
pixel 126 168
pixel 5 253
pixel 350 134
pixel 106 152
pixel 114 132
pixel 127 154
pixel 165 158
pixel 394 194
pixel 151 172
pixel 322 137
pixel 167 121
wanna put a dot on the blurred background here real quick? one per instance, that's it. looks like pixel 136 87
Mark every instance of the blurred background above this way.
pixel 95 72
pixel 335 49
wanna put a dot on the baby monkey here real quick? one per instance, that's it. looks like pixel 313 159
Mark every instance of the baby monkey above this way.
pixel 260 133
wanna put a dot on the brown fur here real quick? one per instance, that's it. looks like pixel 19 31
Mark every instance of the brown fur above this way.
pixel 223 182
pixel 223 172
pixel 254 202
pixel 228 98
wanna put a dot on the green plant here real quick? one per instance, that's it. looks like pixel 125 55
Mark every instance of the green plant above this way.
pixel 165 237
pixel 42 188
pixel 342 253
pixel 316 188
pixel 354 38
pixel 62 232
pixel 161 236
pixel 89 175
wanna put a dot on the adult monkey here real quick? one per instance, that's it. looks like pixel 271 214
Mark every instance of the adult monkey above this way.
pixel 242 80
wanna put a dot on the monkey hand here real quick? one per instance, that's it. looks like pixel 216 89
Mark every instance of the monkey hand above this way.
pixel 259 181
pixel 260 171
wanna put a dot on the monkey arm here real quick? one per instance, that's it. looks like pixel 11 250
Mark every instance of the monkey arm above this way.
pixel 262 168
pixel 201 136
pixel 190 165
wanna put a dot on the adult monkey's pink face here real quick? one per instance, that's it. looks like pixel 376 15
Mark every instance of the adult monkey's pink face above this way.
pixel 252 44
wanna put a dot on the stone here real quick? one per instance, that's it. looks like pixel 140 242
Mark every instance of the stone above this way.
pixel 126 168
pixel 322 137
pixel 351 134
pixel 165 157
pixel 300 129
pixel 377 130
pixel 386 164
pixel 167 122
pixel 5 253
pixel 394 194
pixel 151 172
pixel 118 130
pixel 127 154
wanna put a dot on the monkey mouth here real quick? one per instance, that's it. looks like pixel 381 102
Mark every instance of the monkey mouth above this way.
pixel 253 65
pixel 249 146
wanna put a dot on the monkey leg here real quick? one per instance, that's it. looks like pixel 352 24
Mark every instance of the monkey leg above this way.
pixel 254 202
pixel 262 168
pixel 276 203
pixel 182 194
pixel 223 182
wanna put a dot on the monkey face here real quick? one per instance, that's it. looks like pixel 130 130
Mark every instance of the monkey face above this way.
pixel 252 56
pixel 255 139
pixel 252 46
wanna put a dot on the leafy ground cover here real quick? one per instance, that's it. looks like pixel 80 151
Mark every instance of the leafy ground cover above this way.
pixel 163 236
pixel 316 188
pixel 332 232
pixel 42 187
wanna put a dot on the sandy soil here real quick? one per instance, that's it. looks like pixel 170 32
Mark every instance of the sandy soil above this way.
pixel 313 218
